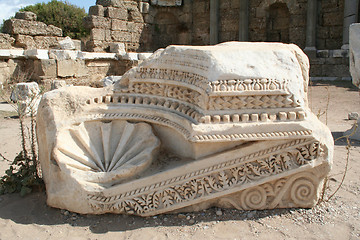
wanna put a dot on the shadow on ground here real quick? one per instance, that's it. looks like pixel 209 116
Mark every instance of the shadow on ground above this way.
pixel 340 140
pixel 340 84
pixel 32 209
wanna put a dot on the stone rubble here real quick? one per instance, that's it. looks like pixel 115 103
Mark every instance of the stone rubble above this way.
pixel 29 33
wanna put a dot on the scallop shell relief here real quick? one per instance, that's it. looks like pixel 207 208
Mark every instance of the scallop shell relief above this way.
pixel 105 152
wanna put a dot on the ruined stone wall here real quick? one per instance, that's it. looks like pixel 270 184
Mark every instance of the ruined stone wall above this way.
pixel 330 24
pixel 76 67
pixel 142 26
pixel 29 33
pixel 111 21
pixel 265 22
pixel 229 20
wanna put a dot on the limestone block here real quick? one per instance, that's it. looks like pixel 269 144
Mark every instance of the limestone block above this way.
pixel 117 24
pixel 45 68
pixel 97 56
pixel 99 34
pixel 53 31
pixel 39 42
pixel 120 36
pixel 32 28
pixel 231 120
pixel 134 15
pixel 29 16
pixel 11 53
pixel 354 49
pixel 27 96
pixel 6 41
pixel 67 44
pixel 97 22
pixel 166 3
pixel 37 54
pixel 56 84
pixel 118 48
pixel 135 27
pixel 96 46
pixel 116 13
pixel 71 68
pixel 46 42
pixel 97 10
pixel 25 41
pixel 63 54
pixel 109 3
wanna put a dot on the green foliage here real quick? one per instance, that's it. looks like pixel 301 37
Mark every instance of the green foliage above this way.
pixel 64 15
pixel 21 177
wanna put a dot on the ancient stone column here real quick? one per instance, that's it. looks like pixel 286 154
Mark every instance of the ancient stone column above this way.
pixel 311 25
pixel 350 16
pixel 214 21
pixel 244 20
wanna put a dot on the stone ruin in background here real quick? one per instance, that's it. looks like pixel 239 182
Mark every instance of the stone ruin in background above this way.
pixel 24 31
pixel 189 128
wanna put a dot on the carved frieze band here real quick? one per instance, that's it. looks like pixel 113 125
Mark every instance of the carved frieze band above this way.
pixel 171 75
pixel 243 118
pixel 252 102
pixel 188 110
pixel 237 85
pixel 175 92
pixel 248 136
pixel 194 115
pixel 298 190
pixel 215 179
pixel 142 117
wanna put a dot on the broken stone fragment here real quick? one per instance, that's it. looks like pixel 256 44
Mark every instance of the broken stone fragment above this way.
pixel 27 96
pixel 353 116
pixel 29 16
pixel 56 84
pixel 232 122
pixel 67 44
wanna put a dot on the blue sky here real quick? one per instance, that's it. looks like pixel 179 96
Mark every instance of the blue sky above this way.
pixel 10 7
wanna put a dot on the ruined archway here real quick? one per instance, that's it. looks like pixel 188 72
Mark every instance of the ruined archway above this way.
pixel 278 23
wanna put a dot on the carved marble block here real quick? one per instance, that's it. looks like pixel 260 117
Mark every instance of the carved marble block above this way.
pixel 190 128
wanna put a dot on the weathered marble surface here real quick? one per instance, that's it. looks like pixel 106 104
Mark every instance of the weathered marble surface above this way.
pixel 354 47
pixel 189 128
pixel 27 98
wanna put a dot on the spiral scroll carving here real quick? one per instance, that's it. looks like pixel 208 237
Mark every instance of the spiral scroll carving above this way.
pixel 254 198
pixel 303 192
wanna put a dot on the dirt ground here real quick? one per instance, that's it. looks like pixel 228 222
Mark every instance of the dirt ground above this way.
pixel 339 218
